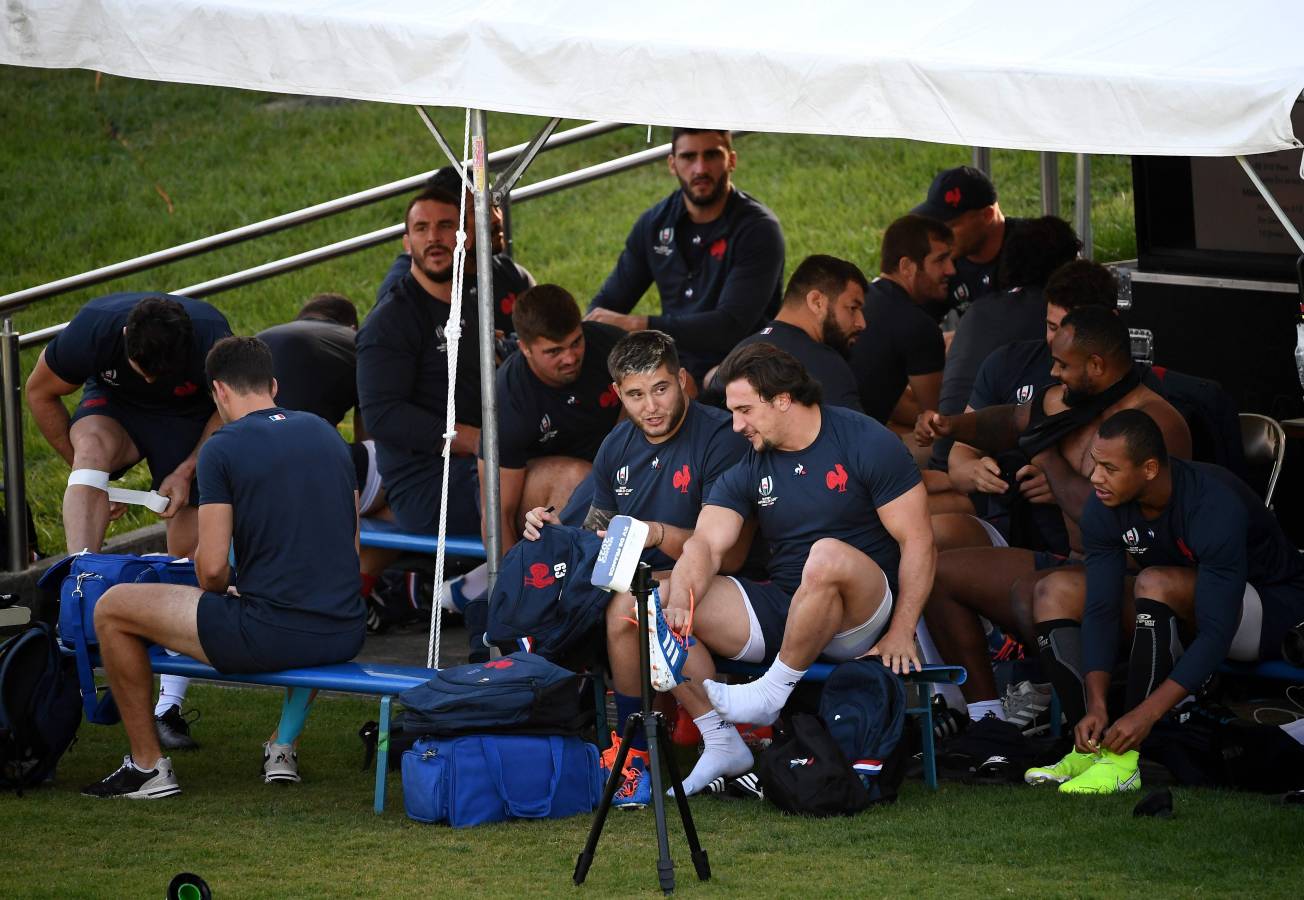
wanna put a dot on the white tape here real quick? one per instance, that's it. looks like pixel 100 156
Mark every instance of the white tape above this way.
pixel 152 499
pixel 90 478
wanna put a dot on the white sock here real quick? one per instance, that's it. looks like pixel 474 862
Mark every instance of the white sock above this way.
pixel 983 707
pixel 759 702
pixel 171 692
pixel 725 753
pixel 475 584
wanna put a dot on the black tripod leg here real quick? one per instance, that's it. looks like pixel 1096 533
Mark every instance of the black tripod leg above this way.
pixel 700 861
pixel 665 868
pixel 585 859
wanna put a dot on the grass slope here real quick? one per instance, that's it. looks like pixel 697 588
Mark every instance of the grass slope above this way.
pixel 101 169
pixel 321 839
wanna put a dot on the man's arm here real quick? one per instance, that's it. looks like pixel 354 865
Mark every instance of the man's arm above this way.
pixel 1070 487
pixel 755 269
pixel 45 391
pixel 387 366
pixel 718 529
pixel 1101 614
pixel 212 555
pixel 631 276
pixel 906 519
pixel 926 390
pixel 176 486
pixel 992 430
pixel 511 485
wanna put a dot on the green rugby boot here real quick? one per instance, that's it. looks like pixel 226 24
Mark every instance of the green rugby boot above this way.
pixel 1071 766
pixel 1114 773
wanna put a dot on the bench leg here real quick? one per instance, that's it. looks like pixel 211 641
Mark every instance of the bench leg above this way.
pixel 382 754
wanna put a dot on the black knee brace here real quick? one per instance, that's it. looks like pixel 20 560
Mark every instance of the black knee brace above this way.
pixel 1060 644
pixel 1156 647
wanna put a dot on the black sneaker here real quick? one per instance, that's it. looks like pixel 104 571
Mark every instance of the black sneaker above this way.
pixel 174 728
pixel 744 787
pixel 132 783
pixel 990 743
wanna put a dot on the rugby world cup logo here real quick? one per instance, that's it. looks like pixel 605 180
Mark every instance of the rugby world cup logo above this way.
pixel 622 482
pixel 1023 394
pixel 767 486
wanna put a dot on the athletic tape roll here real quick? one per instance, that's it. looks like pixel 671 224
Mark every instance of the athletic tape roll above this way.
pixel 90 478
pixel 152 499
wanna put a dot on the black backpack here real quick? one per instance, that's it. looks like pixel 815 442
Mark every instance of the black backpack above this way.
pixel 805 773
pixel 864 705
pixel 40 707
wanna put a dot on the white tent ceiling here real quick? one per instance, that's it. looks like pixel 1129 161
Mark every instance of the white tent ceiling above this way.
pixel 1180 77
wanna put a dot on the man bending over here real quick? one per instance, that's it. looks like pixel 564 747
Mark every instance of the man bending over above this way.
pixel 281 484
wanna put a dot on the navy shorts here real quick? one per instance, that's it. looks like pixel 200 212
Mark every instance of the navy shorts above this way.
pixel 246 635
pixel 416 504
pixel 1283 609
pixel 164 440
pixel 769 604
pixel 1044 559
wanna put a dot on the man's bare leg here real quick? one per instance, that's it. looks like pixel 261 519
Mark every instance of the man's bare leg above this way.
pixel 183 532
pixel 720 625
pixel 841 589
pixel 954 531
pixel 100 444
pixel 550 481
pixel 128 618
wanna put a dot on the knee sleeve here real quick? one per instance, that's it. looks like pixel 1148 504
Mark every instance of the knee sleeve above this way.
pixel 1060 643
pixel 93 478
pixel 1156 647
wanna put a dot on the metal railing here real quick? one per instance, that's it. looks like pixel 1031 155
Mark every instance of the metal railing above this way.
pixel 11 341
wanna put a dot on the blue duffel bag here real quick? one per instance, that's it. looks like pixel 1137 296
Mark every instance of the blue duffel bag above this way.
pixel 476 779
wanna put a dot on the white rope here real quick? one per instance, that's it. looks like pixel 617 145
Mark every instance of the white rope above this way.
pixel 453 338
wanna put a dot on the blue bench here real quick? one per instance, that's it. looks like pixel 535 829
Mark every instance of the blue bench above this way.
pixel 389 536
pixel 384 681
pixel 922 711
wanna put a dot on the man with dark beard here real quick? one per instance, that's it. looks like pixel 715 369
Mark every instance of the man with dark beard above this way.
pixel 715 254
pixel 821 317
pixel 403 375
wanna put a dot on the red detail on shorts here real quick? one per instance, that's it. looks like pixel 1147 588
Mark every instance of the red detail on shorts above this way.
pixel 682 479
pixel 507 304
pixel 717 249
pixel 952 197
pixel 499 664
pixel 540 576
pixel 185 390
pixel 93 402
pixel 609 397
pixel 837 479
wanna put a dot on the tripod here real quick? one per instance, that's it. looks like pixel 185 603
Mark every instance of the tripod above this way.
pixel 658 744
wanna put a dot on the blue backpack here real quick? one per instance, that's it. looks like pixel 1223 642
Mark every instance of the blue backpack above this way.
pixel 81 579
pixel 39 707
pixel 544 597
pixel 519 694
pixel 864 707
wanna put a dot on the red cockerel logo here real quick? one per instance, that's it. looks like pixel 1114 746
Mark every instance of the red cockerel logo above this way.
pixel 682 479
pixel 185 390
pixel 717 249
pixel 837 479
pixel 540 576
pixel 507 304
pixel 499 664
pixel 609 397
pixel 952 197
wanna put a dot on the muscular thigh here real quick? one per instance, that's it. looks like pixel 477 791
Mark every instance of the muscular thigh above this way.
pixel 165 614
pixel 720 619
pixel 981 578
pixel 101 442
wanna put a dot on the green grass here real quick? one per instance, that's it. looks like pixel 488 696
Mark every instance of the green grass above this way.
pixel 321 839
pixel 99 170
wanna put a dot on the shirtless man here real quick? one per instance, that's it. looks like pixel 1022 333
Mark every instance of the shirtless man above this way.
pixel 1093 364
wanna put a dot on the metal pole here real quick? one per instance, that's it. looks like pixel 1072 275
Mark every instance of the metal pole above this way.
pixel 1273 205
pixel 1082 203
pixel 506 209
pixel 15 484
pixel 982 160
pixel 488 400
pixel 1050 201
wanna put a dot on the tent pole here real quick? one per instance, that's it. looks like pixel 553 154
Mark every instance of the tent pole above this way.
pixel 1273 205
pixel 443 144
pixel 1050 194
pixel 484 263
pixel 1082 203
pixel 982 160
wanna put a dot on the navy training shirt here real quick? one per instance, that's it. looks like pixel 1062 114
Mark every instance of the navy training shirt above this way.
pixel 718 281
pixel 1213 522
pixel 830 489
pixel 289 481
pixel 93 350
pixel 510 280
pixel 537 420
pixel 316 367
pixel 826 365
pixel 972 279
pixel 900 339
pixel 403 381
pixel 1012 374
pixel 665 482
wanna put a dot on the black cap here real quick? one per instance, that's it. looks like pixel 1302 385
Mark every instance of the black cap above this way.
pixel 957 191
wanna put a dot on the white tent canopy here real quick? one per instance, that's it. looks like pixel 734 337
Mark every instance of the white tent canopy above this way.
pixel 1174 77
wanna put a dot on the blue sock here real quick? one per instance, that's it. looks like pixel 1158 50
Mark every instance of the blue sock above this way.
pixel 294 712
pixel 625 707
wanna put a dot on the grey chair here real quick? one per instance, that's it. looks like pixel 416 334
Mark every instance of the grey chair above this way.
pixel 1264 441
